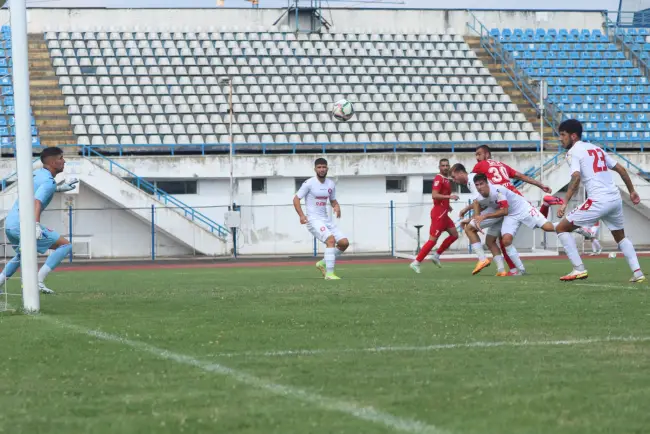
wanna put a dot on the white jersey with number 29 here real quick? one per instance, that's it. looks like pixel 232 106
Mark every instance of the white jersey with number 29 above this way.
pixel 316 195
pixel 593 164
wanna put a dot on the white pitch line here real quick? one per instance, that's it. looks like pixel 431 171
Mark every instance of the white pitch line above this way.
pixel 436 347
pixel 350 408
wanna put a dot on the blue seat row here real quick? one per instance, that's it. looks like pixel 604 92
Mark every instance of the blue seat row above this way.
pixel 573 55
pixel 11 121
pixel 601 99
pixel 633 31
pixel 598 90
pixel 11 131
pixel 618 135
pixel 550 35
pixel 634 39
pixel 588 107
pixel 560 47
pixel 598 81
pixel 609 117
pixel 573 64
pixel 617 126
pixel 579 72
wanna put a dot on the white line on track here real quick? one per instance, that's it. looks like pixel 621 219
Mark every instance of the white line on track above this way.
pixel 436 347
pixel 350 408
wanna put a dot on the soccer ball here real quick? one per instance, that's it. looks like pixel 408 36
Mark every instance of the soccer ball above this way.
pixel 342 110
pixel 612 255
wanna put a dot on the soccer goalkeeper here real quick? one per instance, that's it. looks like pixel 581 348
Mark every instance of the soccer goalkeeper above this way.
pixel 44 189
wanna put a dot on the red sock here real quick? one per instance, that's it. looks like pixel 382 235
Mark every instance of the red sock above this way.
pixel 544 210
pixel 445 244
pixel 425 250
pixel 511 264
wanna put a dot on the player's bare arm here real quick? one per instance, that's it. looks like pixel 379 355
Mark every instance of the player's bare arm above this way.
pixel 573 187
pixel 501 212
pixel 336 208
pixel 437 196
pixel 634 196
pixel 465 210
pixel 298 208
pixel 532 181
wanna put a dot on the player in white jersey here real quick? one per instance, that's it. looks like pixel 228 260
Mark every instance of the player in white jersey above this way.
pixel 480 205
pixel 317 191
pixel 596 248
pixel 515 211
pixel 591 165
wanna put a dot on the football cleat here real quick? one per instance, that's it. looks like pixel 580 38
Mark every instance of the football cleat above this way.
pixel 517 272
pixel 501 274
pixel 637 279
pixel 44 289
pixel 585 233
pixel 553 200
pixel 321 266
pixel 574 275
pixel 415 267
pixel 436 260
pixel 481 265
pixel 596 253
pixel 332 276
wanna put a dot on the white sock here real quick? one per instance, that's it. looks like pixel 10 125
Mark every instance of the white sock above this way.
pixel 514 256
pixel 416 262
pixel 330 258
pixel 595 245
pixel 436 255
pixel 43 272
pixel 627 248
pixel 499 260
pixel 569 244
pixel 478 249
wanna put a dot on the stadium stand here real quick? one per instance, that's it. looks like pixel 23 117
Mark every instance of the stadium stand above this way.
pixel 7 119
pixel 162 88
pixel 589 78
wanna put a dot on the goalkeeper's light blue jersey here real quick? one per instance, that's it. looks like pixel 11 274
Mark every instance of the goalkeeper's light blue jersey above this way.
pixel 44 189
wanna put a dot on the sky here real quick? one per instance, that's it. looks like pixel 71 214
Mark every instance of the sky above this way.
pixel 457 4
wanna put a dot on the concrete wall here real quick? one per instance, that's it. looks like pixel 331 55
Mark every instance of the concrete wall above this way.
pixel 269 222
pixel 344 20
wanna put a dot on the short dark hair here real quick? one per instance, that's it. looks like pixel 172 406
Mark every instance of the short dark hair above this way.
pixel 54 151
pixel 571 126
pixel 458 168
pixel 444 159
pixel 486 148
pixel 320 161
pixel 480 177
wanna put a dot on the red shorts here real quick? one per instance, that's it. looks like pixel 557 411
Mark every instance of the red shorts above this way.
pixel 440 222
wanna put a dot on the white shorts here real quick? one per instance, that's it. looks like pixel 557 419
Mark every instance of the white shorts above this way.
pixel 609 211
pixel 322 230
pixel 492 226
pixel 533 219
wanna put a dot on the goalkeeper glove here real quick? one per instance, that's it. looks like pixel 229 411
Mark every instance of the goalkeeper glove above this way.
pixel 67 186
pixel 39 231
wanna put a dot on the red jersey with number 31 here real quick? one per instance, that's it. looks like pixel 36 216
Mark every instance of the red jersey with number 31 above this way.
pixel 442 186
pixel 497 173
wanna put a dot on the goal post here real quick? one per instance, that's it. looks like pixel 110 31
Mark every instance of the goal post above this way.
pixel 29 268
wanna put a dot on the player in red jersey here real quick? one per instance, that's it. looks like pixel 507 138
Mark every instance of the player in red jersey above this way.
pixel 440 220
pixel 501 174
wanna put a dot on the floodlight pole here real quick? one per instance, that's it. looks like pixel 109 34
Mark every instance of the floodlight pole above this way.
pixel 24 167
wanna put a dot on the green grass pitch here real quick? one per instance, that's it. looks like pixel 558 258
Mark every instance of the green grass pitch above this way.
pixel 279 350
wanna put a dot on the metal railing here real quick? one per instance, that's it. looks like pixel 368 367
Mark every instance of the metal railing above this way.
pixel 627 161
pixel 534 171
pixel 632 54
pixel 553 116
pixel 167 199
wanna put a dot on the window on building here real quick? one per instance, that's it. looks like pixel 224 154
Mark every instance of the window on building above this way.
pixel 396 184
pixel 427 187
pixel 176 187
pixel 258 185
pixel 169 186
pixel 299 182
